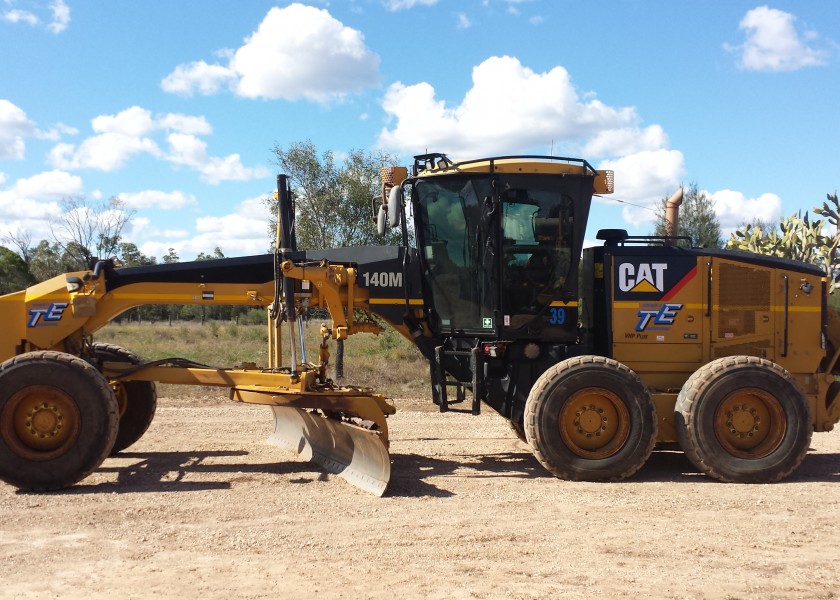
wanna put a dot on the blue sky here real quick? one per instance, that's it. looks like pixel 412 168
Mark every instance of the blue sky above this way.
pixel 175 106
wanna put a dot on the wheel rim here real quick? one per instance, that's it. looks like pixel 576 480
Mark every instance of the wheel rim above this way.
pixel 750 423
pixel 121 394
pixel 40 422
pixel 594 423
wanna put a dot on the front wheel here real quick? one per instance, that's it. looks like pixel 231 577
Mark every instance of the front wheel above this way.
pixel 743 419
pixel 590 418
pixel 58 420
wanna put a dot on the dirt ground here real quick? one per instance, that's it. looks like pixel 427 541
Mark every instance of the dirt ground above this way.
pixel 203 507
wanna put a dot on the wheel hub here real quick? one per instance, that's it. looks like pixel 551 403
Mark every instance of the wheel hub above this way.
pixel 743 421
pixel 594 423
pixel 590 421
pixel 40 422
pixel 45 420
pixel 750 423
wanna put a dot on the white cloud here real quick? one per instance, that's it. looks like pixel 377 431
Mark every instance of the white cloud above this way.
pixel 642 180
pixel 20 16
pixel 105 152
pixel 774 44
pixel 120 137
pixel 56 20
pixel 26 216
pixel 296 52
pixel 395 5
pixel 734 209
pixel 30 203
pixel 14 128
pixel 141 229
pixel 54 133
pixel 186 124
pixel 463 21
pixel 625 140
pixel 51 184
pixel 539 108
pixel 133 121
pixel 240 233
pixel 190 151
pixel 60 16
pixel 198 77
pixel 132 132
pixel 158 199
pixel 136 121
pixel 541 111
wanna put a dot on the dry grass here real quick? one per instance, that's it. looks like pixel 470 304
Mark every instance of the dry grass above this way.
pixel 386 362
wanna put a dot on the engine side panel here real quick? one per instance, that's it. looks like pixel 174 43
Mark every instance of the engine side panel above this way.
pixel 673 310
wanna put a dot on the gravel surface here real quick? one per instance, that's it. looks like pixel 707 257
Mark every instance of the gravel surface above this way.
pixel 203 507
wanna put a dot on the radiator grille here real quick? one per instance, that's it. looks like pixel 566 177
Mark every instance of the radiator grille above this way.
pixel 741 292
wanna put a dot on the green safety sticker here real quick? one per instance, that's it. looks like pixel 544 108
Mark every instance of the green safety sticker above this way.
pixel 487 323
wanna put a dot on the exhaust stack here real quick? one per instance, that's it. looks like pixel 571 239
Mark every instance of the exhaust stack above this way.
pixel 672 216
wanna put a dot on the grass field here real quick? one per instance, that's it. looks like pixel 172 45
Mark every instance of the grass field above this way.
pixel 387 361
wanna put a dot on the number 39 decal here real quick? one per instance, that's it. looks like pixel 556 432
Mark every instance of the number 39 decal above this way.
pixel 558 316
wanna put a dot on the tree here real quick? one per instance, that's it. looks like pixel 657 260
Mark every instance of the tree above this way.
pixel 798 237
pixel 698 219
pixel 334 204
pixel 49 260
pixel 171 256
pixel 22 240
pixel 86 230
pixel 130 256
pixel 217 253
pixel 14 272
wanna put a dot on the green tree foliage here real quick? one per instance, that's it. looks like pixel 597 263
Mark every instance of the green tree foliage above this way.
pixel 48 260
pixel 798 237
pixel 14 272
pixel 217 253
pixel 87 230
pixel 130 256
pixel 698 219
pixel 334 203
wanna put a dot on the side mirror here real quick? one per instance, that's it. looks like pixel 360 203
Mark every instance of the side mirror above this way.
pixel 381 220
pixel 395 199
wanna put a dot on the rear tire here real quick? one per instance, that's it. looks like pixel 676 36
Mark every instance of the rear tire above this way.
pixel 590 418
pixel 743 419
pixel 58 420
pixel 137 400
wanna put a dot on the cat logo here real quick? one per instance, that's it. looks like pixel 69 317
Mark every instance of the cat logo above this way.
pixel 642 278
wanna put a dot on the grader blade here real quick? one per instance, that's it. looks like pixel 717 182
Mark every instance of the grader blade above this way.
pixel 352 452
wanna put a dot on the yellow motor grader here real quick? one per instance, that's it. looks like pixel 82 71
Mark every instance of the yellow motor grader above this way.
pixel 594 356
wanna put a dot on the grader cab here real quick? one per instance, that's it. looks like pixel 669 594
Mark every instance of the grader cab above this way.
pixel 593 361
